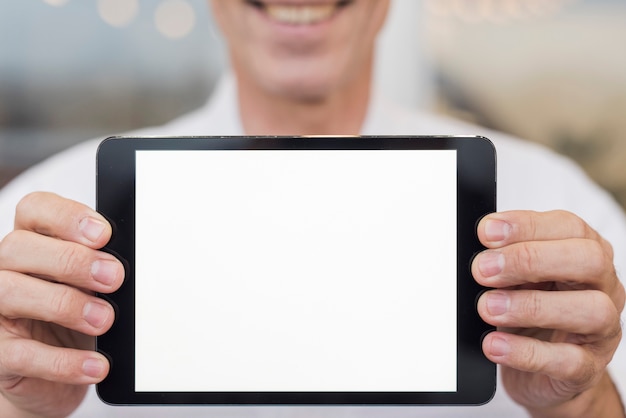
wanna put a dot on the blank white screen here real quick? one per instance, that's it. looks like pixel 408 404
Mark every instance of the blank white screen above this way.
pixel 298 270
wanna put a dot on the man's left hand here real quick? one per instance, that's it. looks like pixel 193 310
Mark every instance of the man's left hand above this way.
pixel 556 301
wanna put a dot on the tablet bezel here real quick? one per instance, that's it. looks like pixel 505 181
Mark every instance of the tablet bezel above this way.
pixel 476 197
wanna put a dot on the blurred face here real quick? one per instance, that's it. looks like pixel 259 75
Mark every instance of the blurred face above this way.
pixel 300 49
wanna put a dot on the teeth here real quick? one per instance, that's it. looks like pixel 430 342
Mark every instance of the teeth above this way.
pixel 300 14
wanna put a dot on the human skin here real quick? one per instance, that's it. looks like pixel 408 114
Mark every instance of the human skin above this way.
pixel 556 297
pixel 49 265
pixel 557 304
pixel 302 79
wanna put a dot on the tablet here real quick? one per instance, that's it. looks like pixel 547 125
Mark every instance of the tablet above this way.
pixel 296 270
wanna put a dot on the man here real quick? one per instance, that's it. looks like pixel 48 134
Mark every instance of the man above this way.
pixel 305 67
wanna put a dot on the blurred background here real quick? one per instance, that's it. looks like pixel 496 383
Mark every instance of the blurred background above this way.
pixel 550 71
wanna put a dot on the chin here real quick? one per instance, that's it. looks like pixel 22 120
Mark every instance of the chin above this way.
pixel 302 82
pixel 303 90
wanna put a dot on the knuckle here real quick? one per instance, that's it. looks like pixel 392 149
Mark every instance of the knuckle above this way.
pixel 525 257
pixel 608 249
pixel 574 369
pixel 29 205
pixel 531 356
pixel 577 372
pixel 61 302
pixel 9 246
pixel 60 366
pixel 580 227
pixel 69 260
pixel 533 227
pixel 525 224
pixel 604 311
pixel 531 306
pixel 63 366
pixel 576 225
pixel 605 315
pixel 598 320
pixel 596 259
pixel 27 202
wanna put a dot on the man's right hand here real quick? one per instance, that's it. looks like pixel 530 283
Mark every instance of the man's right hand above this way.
pixel 49 268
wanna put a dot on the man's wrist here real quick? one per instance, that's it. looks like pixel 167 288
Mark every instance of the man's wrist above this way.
pixel 603 400
pixel 11 411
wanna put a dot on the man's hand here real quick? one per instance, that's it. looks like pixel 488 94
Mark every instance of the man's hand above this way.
pixel 557 303
pixel 49 269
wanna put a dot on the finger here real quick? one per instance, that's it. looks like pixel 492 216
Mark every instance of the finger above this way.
pixel 499 229
pixel 590 315
pixel 52 215
pixel 29 358
pixel 569 363
pixel 23 296
pixel 573 261
pixel 63 261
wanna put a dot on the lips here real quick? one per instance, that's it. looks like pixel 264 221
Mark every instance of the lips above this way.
pixel 299 14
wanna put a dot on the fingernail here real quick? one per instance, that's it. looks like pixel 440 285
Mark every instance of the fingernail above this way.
pixel 105 271
pixel 496 230
pixel 96 314
pixel 500 347
pixel 93 367
pixel 497 303
pixel 91 228
pixel 490 263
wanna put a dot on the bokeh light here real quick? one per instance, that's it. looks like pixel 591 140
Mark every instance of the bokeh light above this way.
pixel 175 19
pixel 55 2
pixel 495 11
pixel 118 13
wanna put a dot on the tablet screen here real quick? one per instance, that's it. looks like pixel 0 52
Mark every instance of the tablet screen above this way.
pixel 296 271
pixel 291 270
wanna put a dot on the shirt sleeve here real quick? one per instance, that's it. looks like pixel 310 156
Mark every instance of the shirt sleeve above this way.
pixel 70 174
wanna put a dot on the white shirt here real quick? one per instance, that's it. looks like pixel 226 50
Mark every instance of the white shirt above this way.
pixel 529 177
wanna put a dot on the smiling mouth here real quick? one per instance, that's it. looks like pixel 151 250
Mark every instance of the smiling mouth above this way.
pixel 299 14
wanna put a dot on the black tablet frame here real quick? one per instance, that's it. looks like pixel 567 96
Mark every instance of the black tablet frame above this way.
pixel 476 197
